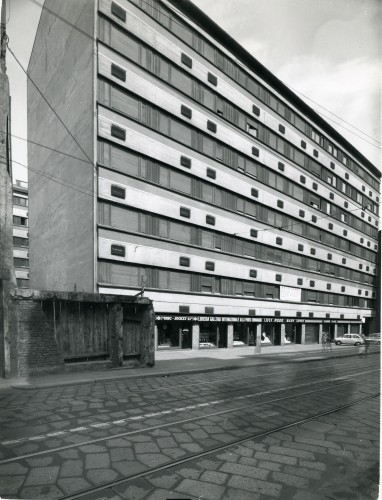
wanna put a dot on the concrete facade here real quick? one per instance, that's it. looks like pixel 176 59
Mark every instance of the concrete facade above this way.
pixel 20 233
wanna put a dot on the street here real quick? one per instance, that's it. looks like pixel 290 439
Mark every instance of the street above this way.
pixel 290 428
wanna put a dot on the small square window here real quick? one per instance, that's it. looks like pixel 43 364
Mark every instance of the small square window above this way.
pixel 361 266
pixel 344 232
pixel 211 173
pixel 255 110
pixel 186 60
pixel 279 241
pixel 359 292
pixel 253 233
pixel 298 314
pixel 117 11
pixel 299 281
pixel 255 192
pixel 315 186
pixel 330 226
pixel 342 316
pixel 327 315
pixel 209 310
pixel 344 261
pixel 328 286
pixel 346 176
pixel 312 283
pixel 302 179
pixel 330 256
pixel 363 188
pixel 313 251
pixel 303 144
pixel 255 151
pixel 185 162
pixel 301 213
pixel 361 240
pixel 363 215
pixel 118 250
pixel 118 192
pixel 367 268
pixel 346 204
pixel 281 128
pixel 370 194
pixel 118 72
pixel 280 203
pixel 366 293
pixel 281 166
pixel 368 243
pixel 211 126
pixel 314 218
pixel 210 220
pixel 253 273
pixel 185 212
pixel 184 309
pixel 278 277
pixel 311 315
pixel 185 111
pixel 252 312
pixel 315 153
pixel 118 132
pixel 184 261
pixel 277 314
pixel 210 266
pixel 331 196
pixel 300 247
pixel 332 165
pixel 342 288
pixel 369 219
pixel 212 79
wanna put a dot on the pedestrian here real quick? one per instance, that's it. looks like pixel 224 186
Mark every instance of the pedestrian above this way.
pixel 323 341
pixel 329 342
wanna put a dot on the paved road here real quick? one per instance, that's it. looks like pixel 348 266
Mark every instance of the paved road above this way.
pixel 289 429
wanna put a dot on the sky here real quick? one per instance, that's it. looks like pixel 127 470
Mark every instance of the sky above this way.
pixel 327 51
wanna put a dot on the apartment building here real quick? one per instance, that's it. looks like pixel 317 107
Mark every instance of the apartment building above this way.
pixel 187 169
pixel 20 233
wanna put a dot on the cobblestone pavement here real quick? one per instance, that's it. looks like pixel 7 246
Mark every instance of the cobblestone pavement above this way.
pixel 60 441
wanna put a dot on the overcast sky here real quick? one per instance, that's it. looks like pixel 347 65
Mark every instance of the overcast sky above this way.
pixel 326 50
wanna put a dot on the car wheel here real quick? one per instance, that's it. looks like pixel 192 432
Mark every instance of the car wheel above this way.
pixel 357 344
pixel 338 342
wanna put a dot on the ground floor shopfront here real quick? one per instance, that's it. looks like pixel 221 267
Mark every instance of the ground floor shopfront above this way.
pixel 199 332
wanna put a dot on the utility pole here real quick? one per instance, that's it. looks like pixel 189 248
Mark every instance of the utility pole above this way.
pixel 7 273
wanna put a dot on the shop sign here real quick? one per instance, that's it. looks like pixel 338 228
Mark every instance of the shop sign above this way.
pixel 290 294
pixel 208 318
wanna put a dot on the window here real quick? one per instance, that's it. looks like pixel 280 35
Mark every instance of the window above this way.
pixel 117 11
pixel 346 175
pixel 315 153
pixel 212 79
pixel 184 309
pixel 280 203
pixel 255 151
pixel 315 186
pixel 314 218
pixel 363 188
pixel 312 283
pixel 118 132
pixel 301 213
pixel 210 266
pixel 313 251
pixel 184 261
pixel 211 173
pixel 253 273
pixel 311 315
pixel 332 165
pixel 281 166
pixel 252 312
pixel 22 202
pixel 118 192
pixel 118 72
pixel 278 277
pixel 344 232
pixel 303 144
pixel 328 286
pixel 210 220
pixel 300 247
pixel 20 242
pixel 299 281
pixel 255 192
pixel 118 250
pixel 330 226
pixel 361 240
pixel 211 126
pixel 209 310
pixel 344 261
pixel 185 212
pixel 19 262
pixel 302 179
pixel 19 221
pixel 331 196
pixel 279 241
pixel 277 314
pixel 255 110
pixel 186 60
pixel 327 315
pixel 342 288
pixel 185 111
pixel 330 256
pixel 253 233
pixel 185 162
pixel 252 130
pixel 281 128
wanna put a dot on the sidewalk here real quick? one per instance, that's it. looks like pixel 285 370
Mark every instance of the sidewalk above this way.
pixel 187 361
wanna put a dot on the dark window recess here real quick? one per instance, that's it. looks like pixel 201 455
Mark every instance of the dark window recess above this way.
pixel 209 310
pixel 210 220
pixel 328 286
pixel 211 126
pixel 367 268
pixel 301 213
pixel 255 110
pixel 212 79
pixel 279 241
pixel 343 261
pixel 185 212
pixel 252 312
pixel 346 204
pixel 255 151
pixel 210 266
pixel 363 215
pixel 187 112
pixel 368 243
pixel 118 72
pixel 185 162
pixel 184 309
pixel 277 314
pixel 118 132
pixel 303 144
pixel 345 233
pixel 281 128
pixel 330 226
pixel 278 277
pixel 211 173
pixel 363 188
pixel 313 251
pixel 253 273
pixel 117 11
pixel 342 316
pixel 118 192
pixel 311 315
pixel 186 60
pixel 366 293
pixel 118 250
pixel 312 283
pixel 299 281
pixel 331 196
pixel 315 186
pixel 314 218
pixel 300 248
pixel 332 165
pixel 253 233
pixel 361 266
pixel 370 194
pixel 330 256
pixel 255 192
pixel 302 179
pixel 281 166
pixel 342 288
pixel 346 176
pixel 327 315
pixel 361 240
pixel 315 153
pixel 280 204
pixel 358 316
pixel 359 292
pixel 184 261
pixel 298 314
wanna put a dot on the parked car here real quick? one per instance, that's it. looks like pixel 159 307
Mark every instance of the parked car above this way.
pixel 374 339
pixel 350 339
pixel 206 344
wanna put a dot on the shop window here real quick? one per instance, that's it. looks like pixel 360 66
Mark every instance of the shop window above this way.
pixel 186 60
pixel 118 72
pixel 185 212
pixel 185 111
pixel 255 192
pixel 255 110
pixel 253 233
pixel 118 192
pixel 255 151
pixel 278 277
pixel 184 309
pixel 118 132
pixel 281 128
pixel 212 79
pixel 185 162
pixel 211 173
pixel 118 11
pixel 184 261
pixel 281 166
pixel 210 266
pixel 211 126
pixel 118 250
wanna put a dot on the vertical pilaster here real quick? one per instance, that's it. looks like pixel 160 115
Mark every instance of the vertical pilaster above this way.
pixel 320 328
pixel 230 335
pixel 303 334
pixel 335 331
pixel 282 334
pixel 195 335
pixel 156 337
pixel 258 339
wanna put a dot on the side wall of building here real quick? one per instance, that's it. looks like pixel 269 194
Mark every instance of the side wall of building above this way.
pixel 61 173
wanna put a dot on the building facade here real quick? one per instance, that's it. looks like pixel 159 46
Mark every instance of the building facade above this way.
pixel 20 233
pixel 180 165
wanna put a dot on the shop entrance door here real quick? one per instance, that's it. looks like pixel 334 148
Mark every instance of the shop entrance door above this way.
pixel 222 336
pixel 292 333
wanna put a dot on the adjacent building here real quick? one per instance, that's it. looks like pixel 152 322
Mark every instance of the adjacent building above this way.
pixel 182 166
pixel 20 233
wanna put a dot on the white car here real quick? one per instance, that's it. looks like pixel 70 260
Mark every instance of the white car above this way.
pixel 350 339
pixel 238 343
pixel 206 344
